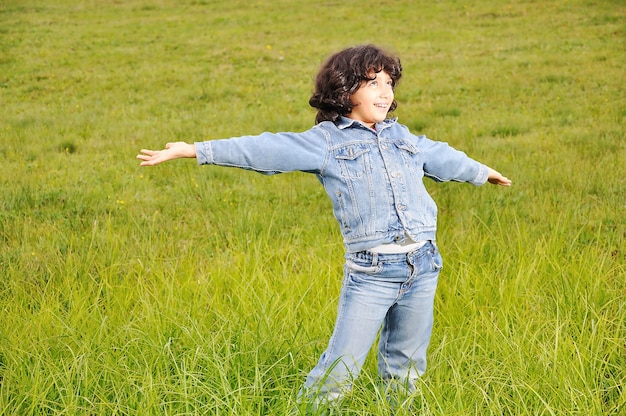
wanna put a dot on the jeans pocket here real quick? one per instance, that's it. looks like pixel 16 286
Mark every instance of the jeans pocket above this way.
pixel 435 260
pixel 372 269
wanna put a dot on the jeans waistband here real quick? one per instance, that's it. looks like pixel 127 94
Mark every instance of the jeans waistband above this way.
pixel 374 258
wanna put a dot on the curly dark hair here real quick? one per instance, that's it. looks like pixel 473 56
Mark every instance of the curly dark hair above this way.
pixel 342 75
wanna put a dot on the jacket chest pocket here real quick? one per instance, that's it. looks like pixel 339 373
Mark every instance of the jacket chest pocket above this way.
pixel 411 155
pixel 407 148
pixel 354 160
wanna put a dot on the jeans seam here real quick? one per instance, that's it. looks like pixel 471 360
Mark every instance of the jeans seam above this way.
pixel 333 338
pixel 383 356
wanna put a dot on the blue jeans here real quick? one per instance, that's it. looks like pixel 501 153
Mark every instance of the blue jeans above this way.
pixel 395 291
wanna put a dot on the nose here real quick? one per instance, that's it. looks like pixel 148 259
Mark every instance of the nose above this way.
pixel 387 91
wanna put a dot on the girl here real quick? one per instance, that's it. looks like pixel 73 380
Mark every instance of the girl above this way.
pixel 372 168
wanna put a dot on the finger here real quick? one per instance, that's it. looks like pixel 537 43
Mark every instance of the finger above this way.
pixel 143 157
pixel 149 152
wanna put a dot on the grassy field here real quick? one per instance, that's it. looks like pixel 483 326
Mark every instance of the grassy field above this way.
pixel 186 290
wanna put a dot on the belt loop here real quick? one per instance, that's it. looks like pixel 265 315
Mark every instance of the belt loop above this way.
pixel 374 259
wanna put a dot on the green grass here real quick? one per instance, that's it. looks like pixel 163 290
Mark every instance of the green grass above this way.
pixel 180 290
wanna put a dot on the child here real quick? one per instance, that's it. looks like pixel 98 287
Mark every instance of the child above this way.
pixel 372 169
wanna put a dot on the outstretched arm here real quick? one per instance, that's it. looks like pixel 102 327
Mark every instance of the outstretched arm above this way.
pixel 172 151
pixel 496 178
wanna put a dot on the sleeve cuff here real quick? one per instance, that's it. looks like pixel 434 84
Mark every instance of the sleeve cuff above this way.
pixel 482 176
pixel 204 153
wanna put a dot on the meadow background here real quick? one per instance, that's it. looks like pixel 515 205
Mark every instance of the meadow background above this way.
pixel 186 290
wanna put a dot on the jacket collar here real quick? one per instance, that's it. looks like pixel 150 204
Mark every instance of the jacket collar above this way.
pixel 345 122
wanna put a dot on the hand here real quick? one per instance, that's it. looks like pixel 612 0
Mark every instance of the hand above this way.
pixel 172 151
pixel 496 178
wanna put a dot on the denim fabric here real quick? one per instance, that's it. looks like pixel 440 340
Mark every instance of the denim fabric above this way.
pixel 395 291
pixel 374 177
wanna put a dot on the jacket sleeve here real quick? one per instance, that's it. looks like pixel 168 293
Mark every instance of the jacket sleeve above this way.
pixel 443 163
pixel 268 153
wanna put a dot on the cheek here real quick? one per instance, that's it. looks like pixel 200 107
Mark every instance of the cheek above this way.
pixel 355 100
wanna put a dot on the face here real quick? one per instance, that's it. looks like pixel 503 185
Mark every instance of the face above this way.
pixel 372 100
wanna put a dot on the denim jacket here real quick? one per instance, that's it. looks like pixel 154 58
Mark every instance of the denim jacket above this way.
pixel 374 177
